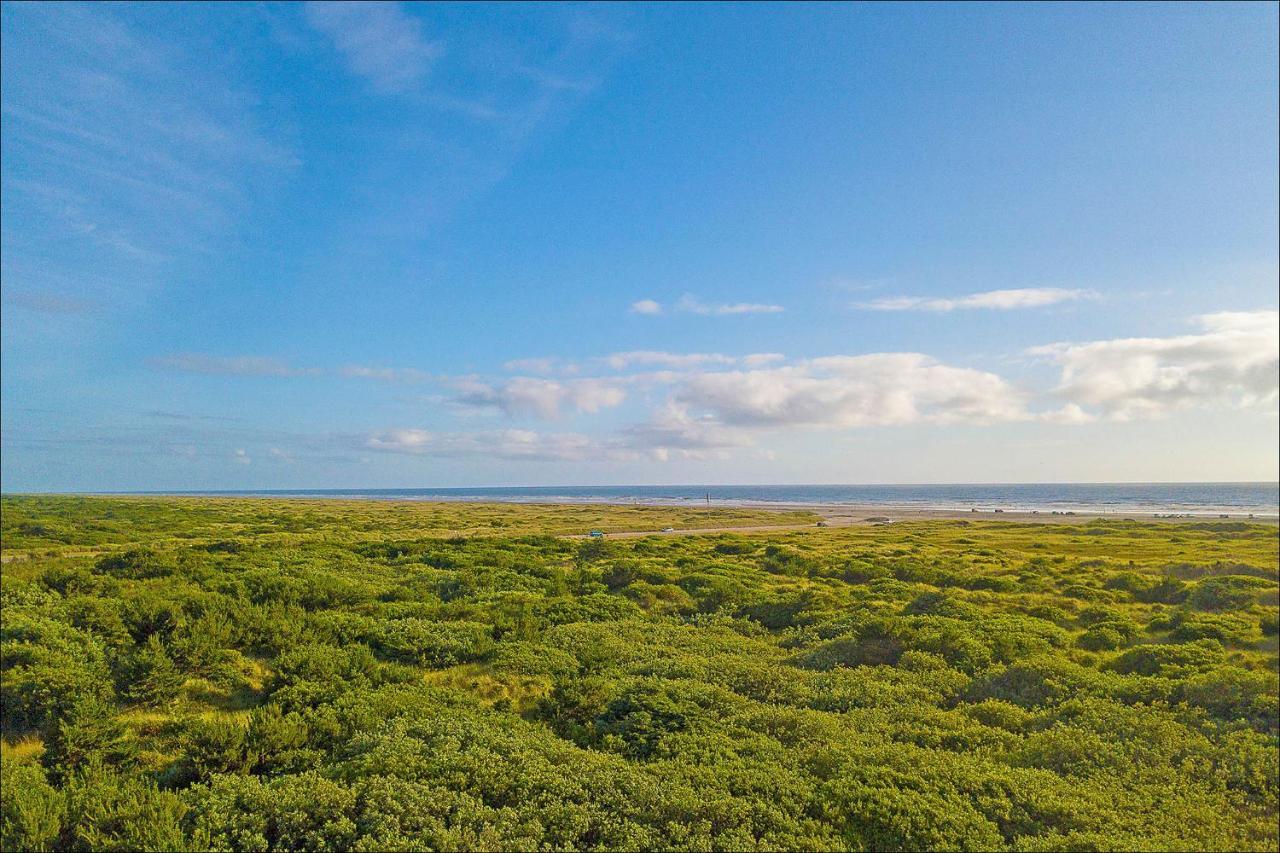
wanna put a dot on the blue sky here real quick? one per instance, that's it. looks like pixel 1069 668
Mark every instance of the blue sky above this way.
pixel 251 246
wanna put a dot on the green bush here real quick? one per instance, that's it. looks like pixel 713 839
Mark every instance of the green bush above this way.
pixel 136 564
pixel 1170 661
pixel 31 810
pixel 435 644
pixel 1232 592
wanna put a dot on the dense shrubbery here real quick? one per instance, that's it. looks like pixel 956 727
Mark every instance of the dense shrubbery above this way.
pixel 265 686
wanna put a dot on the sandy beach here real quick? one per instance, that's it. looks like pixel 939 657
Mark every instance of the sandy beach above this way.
pixel 843 515
pixel 839 514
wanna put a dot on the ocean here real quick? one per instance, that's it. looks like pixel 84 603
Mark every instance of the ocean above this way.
pixel 1193 498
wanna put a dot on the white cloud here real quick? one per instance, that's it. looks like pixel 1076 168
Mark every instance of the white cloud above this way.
pixel 717 404
pixel 998 300
pixel 853 391
pixel 1068 414
pixel 646 306
pixel 1235 361
pixel 513 444
pixel 380 41
pixel 710 413
pixel 542 398
pixel 689 304
pixel 673 429
pixel 241 457
pixel 239 365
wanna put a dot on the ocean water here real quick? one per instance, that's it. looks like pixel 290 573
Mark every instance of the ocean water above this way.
pixel 1194 498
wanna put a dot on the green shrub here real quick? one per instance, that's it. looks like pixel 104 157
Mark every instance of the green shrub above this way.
pixel 1232 592
pixel 1170 661
pixel 1101 638
pixel 1231 693
pixel 31 810
pixel 136 564
pixel 435 644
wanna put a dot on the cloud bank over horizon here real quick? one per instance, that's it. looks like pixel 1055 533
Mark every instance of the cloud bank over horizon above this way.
pixel 691 405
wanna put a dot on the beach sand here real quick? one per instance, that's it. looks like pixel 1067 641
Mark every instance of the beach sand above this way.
pixel 845 515
pixel 860 514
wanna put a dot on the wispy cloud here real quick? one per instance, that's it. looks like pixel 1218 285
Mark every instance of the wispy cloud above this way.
pixel 380 41
pixel 541 398
pixel 620 361
pixel 383 374
pixel 257 365
pixel 996 300
pixel 465 117
pixel 188 416
pixel 192 439
pixel 511 444
pixel 238 365
pixel 689 304
pixel 124 153
pixel 692 305
pixel 44 302
pixel 657 358
pixel 541 366
pixel 685 360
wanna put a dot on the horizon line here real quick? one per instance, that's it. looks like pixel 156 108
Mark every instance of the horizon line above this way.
pixel 318 489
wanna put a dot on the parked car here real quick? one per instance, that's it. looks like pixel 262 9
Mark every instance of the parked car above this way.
pixel 596 534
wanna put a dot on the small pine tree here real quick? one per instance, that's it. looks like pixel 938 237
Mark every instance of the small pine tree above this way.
pixel 111 811
pixel 31 810
pixel 153 678
pixel 87 731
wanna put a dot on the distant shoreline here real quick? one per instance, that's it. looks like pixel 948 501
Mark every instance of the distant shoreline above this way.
pixel 835 513
pixel 864 514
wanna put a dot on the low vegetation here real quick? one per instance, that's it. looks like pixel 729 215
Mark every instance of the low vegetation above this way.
pixel 278 675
